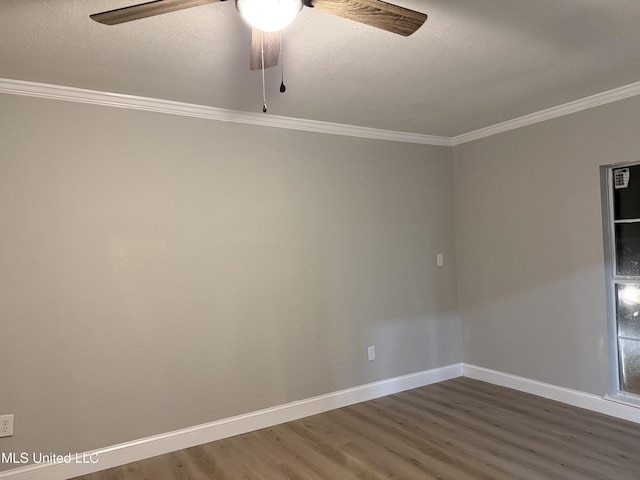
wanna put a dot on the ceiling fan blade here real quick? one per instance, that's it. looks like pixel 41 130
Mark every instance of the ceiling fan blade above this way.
pixel 376 13
pixel 144 10
pixel 271 41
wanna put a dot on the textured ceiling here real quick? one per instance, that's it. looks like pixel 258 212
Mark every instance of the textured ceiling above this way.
pixel 473 64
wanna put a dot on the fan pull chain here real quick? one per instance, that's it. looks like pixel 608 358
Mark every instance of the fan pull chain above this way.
pixel 264 93
pixel 283 88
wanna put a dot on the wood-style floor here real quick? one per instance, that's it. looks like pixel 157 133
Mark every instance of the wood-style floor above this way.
pixel 460 429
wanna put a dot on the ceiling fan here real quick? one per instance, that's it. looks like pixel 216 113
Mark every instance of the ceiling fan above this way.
pixel 265 40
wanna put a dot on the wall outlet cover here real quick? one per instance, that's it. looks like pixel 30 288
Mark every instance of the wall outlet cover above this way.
pixel 6 425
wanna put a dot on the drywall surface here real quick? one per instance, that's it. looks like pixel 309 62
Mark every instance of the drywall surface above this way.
pixel 160 272
pixel 530 248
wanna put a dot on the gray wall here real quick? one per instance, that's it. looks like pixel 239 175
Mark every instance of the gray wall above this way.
pixel 529 239
pixel 160 272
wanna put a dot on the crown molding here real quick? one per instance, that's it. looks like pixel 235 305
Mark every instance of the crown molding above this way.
pixel 79 95
pixel 553 112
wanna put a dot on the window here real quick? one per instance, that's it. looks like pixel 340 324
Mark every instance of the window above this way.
pixel 621 212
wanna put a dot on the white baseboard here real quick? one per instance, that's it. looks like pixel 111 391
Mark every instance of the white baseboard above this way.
pixel 209 432
pixel 576 398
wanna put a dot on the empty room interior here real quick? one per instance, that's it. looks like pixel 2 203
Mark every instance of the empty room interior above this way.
pixel 422 261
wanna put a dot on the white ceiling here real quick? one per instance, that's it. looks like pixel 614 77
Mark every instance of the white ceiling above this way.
pixel 474 63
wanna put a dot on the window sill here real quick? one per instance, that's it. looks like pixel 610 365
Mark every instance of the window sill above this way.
pixel 627 399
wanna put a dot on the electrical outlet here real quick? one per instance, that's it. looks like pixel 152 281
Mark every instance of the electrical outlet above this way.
pixel 371 353
pixel 6 425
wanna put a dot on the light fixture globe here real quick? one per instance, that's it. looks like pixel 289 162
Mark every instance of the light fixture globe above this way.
pixel 269 15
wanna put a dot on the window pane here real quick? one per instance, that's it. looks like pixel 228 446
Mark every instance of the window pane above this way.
pixel 627 199
pixel 624 231
pixel 630 365
pixel 628 249
pixel 628 299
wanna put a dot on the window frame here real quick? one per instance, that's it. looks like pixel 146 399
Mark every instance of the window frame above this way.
pixel 612 280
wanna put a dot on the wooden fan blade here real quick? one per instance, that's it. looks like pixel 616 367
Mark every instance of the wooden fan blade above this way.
pixel 376 13
pixel 271 41
pixel 144 10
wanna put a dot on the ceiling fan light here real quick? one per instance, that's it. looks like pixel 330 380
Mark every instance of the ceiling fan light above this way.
pixel 269 15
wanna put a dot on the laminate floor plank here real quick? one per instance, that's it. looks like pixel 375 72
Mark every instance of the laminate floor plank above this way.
pixel 502 442
pixel 583 428
pixel 202 461
pixel 323 461
pixel 293 463
pixel 376 455
pixel 599 446
pixel 518 443
pixel 461 429
pixel 492 443
pixel 488 457
pixel 428 452
pixel 529 405
pixel 579 443
pixel 572 440
pixel 333 453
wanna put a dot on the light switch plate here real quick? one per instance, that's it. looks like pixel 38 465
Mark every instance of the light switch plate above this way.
pixel 371 353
